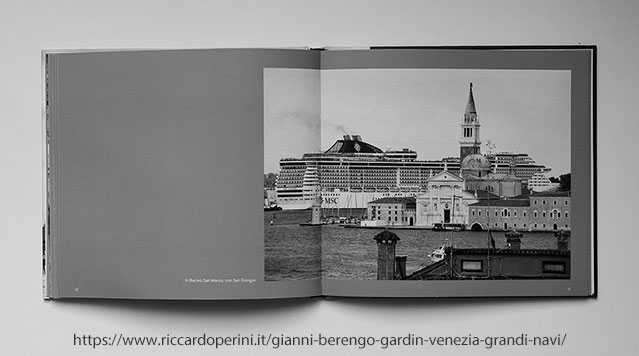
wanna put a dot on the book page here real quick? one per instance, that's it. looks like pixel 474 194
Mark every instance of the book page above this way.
pixel 156 173
pixel 449 172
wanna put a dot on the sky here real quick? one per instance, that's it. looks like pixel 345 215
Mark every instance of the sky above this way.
pixel 524 111
pixel 291 114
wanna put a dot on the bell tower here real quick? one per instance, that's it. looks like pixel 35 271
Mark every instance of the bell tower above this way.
pixel 469 142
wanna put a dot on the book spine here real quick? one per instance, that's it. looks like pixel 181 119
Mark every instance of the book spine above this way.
pixel 49 279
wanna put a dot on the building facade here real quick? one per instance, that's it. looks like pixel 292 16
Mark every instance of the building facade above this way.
pixel 446 201
pixel 502 214
pixel 550 211
pixel 538 212
pixel 391 211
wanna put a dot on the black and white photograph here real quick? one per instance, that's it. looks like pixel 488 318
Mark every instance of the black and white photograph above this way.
pixel 417 174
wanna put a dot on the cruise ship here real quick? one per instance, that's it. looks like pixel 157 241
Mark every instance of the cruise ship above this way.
pixel 353 172
pixel 540 183
pixel 522 165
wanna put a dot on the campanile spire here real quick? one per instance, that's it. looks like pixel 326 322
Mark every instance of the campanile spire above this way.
pixel 470 107
pixel 469 142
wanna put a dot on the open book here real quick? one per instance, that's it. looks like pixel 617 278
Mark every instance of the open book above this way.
pixel 276 173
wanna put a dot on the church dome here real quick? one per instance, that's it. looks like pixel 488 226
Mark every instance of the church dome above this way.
pixel 475 163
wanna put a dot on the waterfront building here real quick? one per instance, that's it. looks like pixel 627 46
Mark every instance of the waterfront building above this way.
pixel 550 210
pixel 391 211
pixel 538 212
pixel 445 201
pixel 500 214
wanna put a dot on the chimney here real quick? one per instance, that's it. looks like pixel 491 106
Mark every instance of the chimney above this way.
pixel 357 138
pixel 400 267
pixel 347 137
pixel 513 239
pixel 386 242
pixel 563 240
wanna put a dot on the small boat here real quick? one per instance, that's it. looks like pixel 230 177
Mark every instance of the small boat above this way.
pixel 438 254
pixel 448 227
pixel 272 207
pixel 439 227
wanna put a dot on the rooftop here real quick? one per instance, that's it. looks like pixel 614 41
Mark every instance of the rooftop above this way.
pixel 502 177
pixel 507 251
pixel 503 202
pixel 434 271
pixel 483 194
pixel 558 193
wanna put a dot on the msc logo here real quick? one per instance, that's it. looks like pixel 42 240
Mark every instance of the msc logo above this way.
pixel 330 200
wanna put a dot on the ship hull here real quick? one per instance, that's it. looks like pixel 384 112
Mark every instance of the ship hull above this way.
pixel 345 200
pixel 298 205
